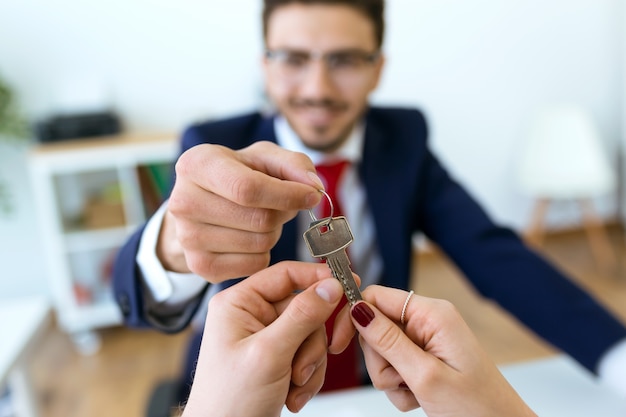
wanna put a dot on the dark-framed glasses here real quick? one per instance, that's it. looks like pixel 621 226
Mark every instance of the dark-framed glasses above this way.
pixel 342 65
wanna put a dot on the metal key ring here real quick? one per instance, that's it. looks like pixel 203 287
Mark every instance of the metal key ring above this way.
pixel 332 210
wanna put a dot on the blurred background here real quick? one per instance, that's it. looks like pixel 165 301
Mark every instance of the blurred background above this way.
pixel 482 71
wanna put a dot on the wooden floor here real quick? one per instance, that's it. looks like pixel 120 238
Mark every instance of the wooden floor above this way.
pixel 118 380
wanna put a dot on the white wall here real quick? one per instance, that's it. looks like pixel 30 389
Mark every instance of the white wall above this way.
pixel 477 68
pixel 480 69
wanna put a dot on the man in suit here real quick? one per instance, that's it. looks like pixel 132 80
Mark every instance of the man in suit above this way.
pixel 241 182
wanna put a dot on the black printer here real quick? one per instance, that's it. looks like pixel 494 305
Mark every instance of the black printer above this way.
pixel 73 126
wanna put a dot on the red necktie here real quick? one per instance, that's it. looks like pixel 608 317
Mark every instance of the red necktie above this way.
pixel 343 369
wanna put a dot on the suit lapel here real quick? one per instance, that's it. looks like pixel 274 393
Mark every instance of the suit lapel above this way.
pixel 384 185
pixel 265 130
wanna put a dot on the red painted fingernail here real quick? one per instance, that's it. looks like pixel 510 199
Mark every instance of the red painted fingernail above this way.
pixel 363 314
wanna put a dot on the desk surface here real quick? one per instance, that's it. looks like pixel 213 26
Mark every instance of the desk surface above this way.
pixel 553 387
pixel 21 320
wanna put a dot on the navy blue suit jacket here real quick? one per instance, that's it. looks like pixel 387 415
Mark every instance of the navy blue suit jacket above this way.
pixel 408 190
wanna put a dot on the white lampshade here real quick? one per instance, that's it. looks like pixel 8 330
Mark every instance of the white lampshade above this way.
pixel 564 156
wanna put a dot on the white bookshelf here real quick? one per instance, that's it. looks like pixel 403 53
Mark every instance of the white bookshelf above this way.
pixel 89 198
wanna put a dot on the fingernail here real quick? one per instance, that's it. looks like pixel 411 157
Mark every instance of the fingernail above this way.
pixel 318 182
pixel 329 290
pixel 301 400
pixel 403 386
pixel 362 313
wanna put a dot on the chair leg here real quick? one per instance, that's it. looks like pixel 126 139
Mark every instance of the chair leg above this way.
pixel 536 231
pixel 598 238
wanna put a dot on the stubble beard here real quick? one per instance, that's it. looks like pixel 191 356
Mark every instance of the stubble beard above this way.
pixel 317 139
pixel 329 145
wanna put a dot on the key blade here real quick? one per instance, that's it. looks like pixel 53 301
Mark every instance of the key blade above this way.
pixel 339 265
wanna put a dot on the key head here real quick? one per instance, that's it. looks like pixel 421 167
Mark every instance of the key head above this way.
pixel 326 237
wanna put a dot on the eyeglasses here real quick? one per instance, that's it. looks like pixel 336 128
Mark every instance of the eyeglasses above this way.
pixel 344 66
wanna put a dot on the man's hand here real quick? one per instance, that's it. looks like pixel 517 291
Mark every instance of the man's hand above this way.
pixel 227 208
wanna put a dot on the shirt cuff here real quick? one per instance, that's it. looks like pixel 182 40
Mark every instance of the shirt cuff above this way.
pixel 166 286
pixel 612 368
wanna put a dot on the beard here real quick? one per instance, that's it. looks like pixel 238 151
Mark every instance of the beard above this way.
pixel 320 137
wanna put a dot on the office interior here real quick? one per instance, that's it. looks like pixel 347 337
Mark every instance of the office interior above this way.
pixel 483 73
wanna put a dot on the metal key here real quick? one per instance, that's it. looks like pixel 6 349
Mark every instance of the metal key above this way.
pixel 328 239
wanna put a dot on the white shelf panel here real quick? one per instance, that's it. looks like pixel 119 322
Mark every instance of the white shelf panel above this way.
pixel 105 153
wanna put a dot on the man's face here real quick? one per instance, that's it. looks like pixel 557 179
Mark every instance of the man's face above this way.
pixel 321 66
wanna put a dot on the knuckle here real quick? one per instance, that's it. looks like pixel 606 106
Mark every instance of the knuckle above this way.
pixel 188 237
pixel 258 262
pixel 188 160
pixel 181 167
pixel 264 146
pixel 199 264
pixel 176 203
pixel 378 385
pixel 219 267
pixel 179 204
pixel 388 339
pixel 244 191
pixel 264 242
pixel 299 158
pixel 267 220
pixel 220 300
pixel 404 406
pixel 263 220
pixel 301 312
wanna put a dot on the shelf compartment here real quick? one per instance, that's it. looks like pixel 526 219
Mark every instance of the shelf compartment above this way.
pixel 91 274
pixel 91 200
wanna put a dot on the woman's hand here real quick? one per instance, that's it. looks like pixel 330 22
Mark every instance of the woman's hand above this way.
pixel 433 361
pixel 263 345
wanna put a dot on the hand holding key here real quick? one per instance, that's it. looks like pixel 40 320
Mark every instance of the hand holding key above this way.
pixel 431 359
pixel 243 371
pixel 227 208
pixel 265 346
